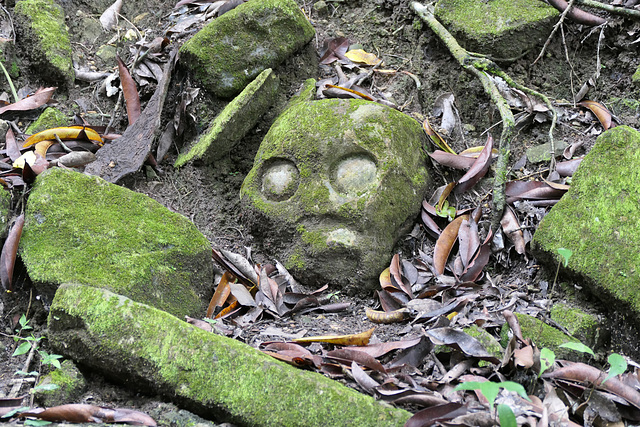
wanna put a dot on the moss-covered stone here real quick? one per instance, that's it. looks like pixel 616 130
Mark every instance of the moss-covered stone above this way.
pixel 584 326
pixel 50 118
pixel 233 49
pixel 81 229
pixel 214 376
pixel 234 121
pixel 44 38
pixel 334 184
pixel 70 385
pixel 599 220
pixel 542 153
pixel 542 336
pixel 502 28
pixel 487 340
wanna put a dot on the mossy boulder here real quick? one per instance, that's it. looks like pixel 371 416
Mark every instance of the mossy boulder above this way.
pixel 334 185
pixel 81 229
pixel 237 118
pixel 5 205
pixel 42 35
pixel 50 118
pixel 233 49
pixel 502 28
pixel 69 382
pixel 599 220
pixel 214 376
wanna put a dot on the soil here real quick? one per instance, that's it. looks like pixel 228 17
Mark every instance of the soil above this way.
pixel 208 195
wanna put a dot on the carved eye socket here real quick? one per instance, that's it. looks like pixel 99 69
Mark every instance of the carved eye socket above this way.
pixel 280 180
pixel 356 174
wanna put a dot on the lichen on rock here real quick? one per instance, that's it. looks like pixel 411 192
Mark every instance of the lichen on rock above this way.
pixel 81 229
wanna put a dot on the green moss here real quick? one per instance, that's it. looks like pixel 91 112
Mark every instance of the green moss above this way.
pixel 49 118
pixel 81 229
pixel 578 323
pixel 598 219
pixel 542 335
pixel 488 342
pixel 504 28
pixel 225 59
pixel 635 78
pixel 234 121
pixel 211 374
pixel 48 40
pixel 70 384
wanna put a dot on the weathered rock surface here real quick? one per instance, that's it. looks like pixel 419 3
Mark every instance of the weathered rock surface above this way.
pixel 502 28
pixel 334 184
pixel 81 229
pixel 43 36
pixel 70 385
pixel 234 48
pixel 214 376
pixel 237 118
pixel 599 220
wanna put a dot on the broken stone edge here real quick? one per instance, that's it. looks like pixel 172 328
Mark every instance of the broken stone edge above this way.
pixel 237 118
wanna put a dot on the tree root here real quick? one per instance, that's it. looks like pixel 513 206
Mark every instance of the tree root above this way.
pixel 482 68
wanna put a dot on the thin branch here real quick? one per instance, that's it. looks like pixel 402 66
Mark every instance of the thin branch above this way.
pixel 553 32
pixel 628 13
pixel 480 67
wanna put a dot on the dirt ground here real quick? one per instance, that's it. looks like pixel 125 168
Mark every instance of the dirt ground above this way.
pixel 208 195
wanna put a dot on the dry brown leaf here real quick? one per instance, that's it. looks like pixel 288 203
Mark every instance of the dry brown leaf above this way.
pixel 445 243
pixel 478 170
pixel 131 97
pixel 600 111
pixel 9 252
pixel 41 97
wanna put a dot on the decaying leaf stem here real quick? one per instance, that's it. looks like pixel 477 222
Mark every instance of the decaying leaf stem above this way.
pixel 482 68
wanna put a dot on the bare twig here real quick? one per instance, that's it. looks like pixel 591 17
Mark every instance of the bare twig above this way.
pixel 553 32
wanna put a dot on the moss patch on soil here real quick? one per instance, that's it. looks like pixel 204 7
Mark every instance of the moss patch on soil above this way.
pixel 81 229
pixel 215 376
pixel 50 118
pixel 598 219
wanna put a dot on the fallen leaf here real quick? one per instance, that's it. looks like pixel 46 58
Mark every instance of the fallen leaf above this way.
pixel 354 339
pixel 435 137
pixel 83 413
pixel 600 111
pixel 478 170
pixel 13 151
pixel 359 56
pixel 511 227
pixel 130 92
pixel 334 50
pixel 361 377
pixel 221 294
pixel 394 316
pixel 445 243
pixel 9 252
pixel 41 97
pixel 461 340
pixel 348 355
pixel 64 133
pixel 454 161
pixel 109 17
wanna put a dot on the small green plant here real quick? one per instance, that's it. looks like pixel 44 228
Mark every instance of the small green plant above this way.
pixel 617 363
pixel 566 255
pixel 490 391
pixel 446 211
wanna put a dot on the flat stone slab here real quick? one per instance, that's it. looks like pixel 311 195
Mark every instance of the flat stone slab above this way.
pixel 599 220
pixel 211 375
pixel 502 28
pixel 237 118
pixel 234 48
pixel 82 229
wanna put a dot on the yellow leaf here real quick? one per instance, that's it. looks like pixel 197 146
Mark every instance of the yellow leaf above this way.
pixel 28 157
pixel 359 56
pixel 354 339
pixel 435 137
pixel 43 146
pixel 69 132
